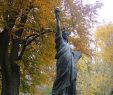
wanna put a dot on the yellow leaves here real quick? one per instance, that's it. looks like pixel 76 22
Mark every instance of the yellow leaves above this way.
pixel 47 50
pixel 104 33
pixel 15 4
pixel 45 12
pixel 99 79
pixel 82 65
pixel 80 45
pixel 107 54
pixel 104 38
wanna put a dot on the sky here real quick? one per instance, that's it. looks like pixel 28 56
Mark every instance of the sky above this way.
pixel 105 14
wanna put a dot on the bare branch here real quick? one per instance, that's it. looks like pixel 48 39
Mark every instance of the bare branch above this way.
pixel 29 40
pixel 36 36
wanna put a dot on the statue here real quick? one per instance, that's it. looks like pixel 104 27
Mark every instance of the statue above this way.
pixel 65 82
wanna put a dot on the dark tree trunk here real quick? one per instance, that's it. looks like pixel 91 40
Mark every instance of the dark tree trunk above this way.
pixel 10 83
pixel 10 71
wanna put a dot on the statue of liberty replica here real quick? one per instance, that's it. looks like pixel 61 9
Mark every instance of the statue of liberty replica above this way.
pixel 65 82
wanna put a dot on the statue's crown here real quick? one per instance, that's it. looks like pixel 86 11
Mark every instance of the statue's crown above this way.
pixel 57 9
pixel 65 31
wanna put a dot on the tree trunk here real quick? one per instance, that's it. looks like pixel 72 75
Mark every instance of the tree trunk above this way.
pixel 10 83
pixel 10 71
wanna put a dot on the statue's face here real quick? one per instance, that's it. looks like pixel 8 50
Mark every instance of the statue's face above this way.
pixel 65 35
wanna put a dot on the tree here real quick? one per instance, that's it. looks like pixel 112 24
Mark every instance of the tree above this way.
pixel 80 19
pixel 13 41
pixel 104 37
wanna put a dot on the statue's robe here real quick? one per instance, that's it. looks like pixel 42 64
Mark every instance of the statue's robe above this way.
pixel 66 73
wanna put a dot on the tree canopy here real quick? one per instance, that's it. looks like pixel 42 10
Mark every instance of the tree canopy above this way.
pixel 104 37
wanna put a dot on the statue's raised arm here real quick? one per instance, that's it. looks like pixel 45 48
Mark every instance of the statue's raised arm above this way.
pixel 58 34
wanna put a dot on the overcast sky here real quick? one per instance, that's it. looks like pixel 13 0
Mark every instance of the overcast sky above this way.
pixel 106 12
